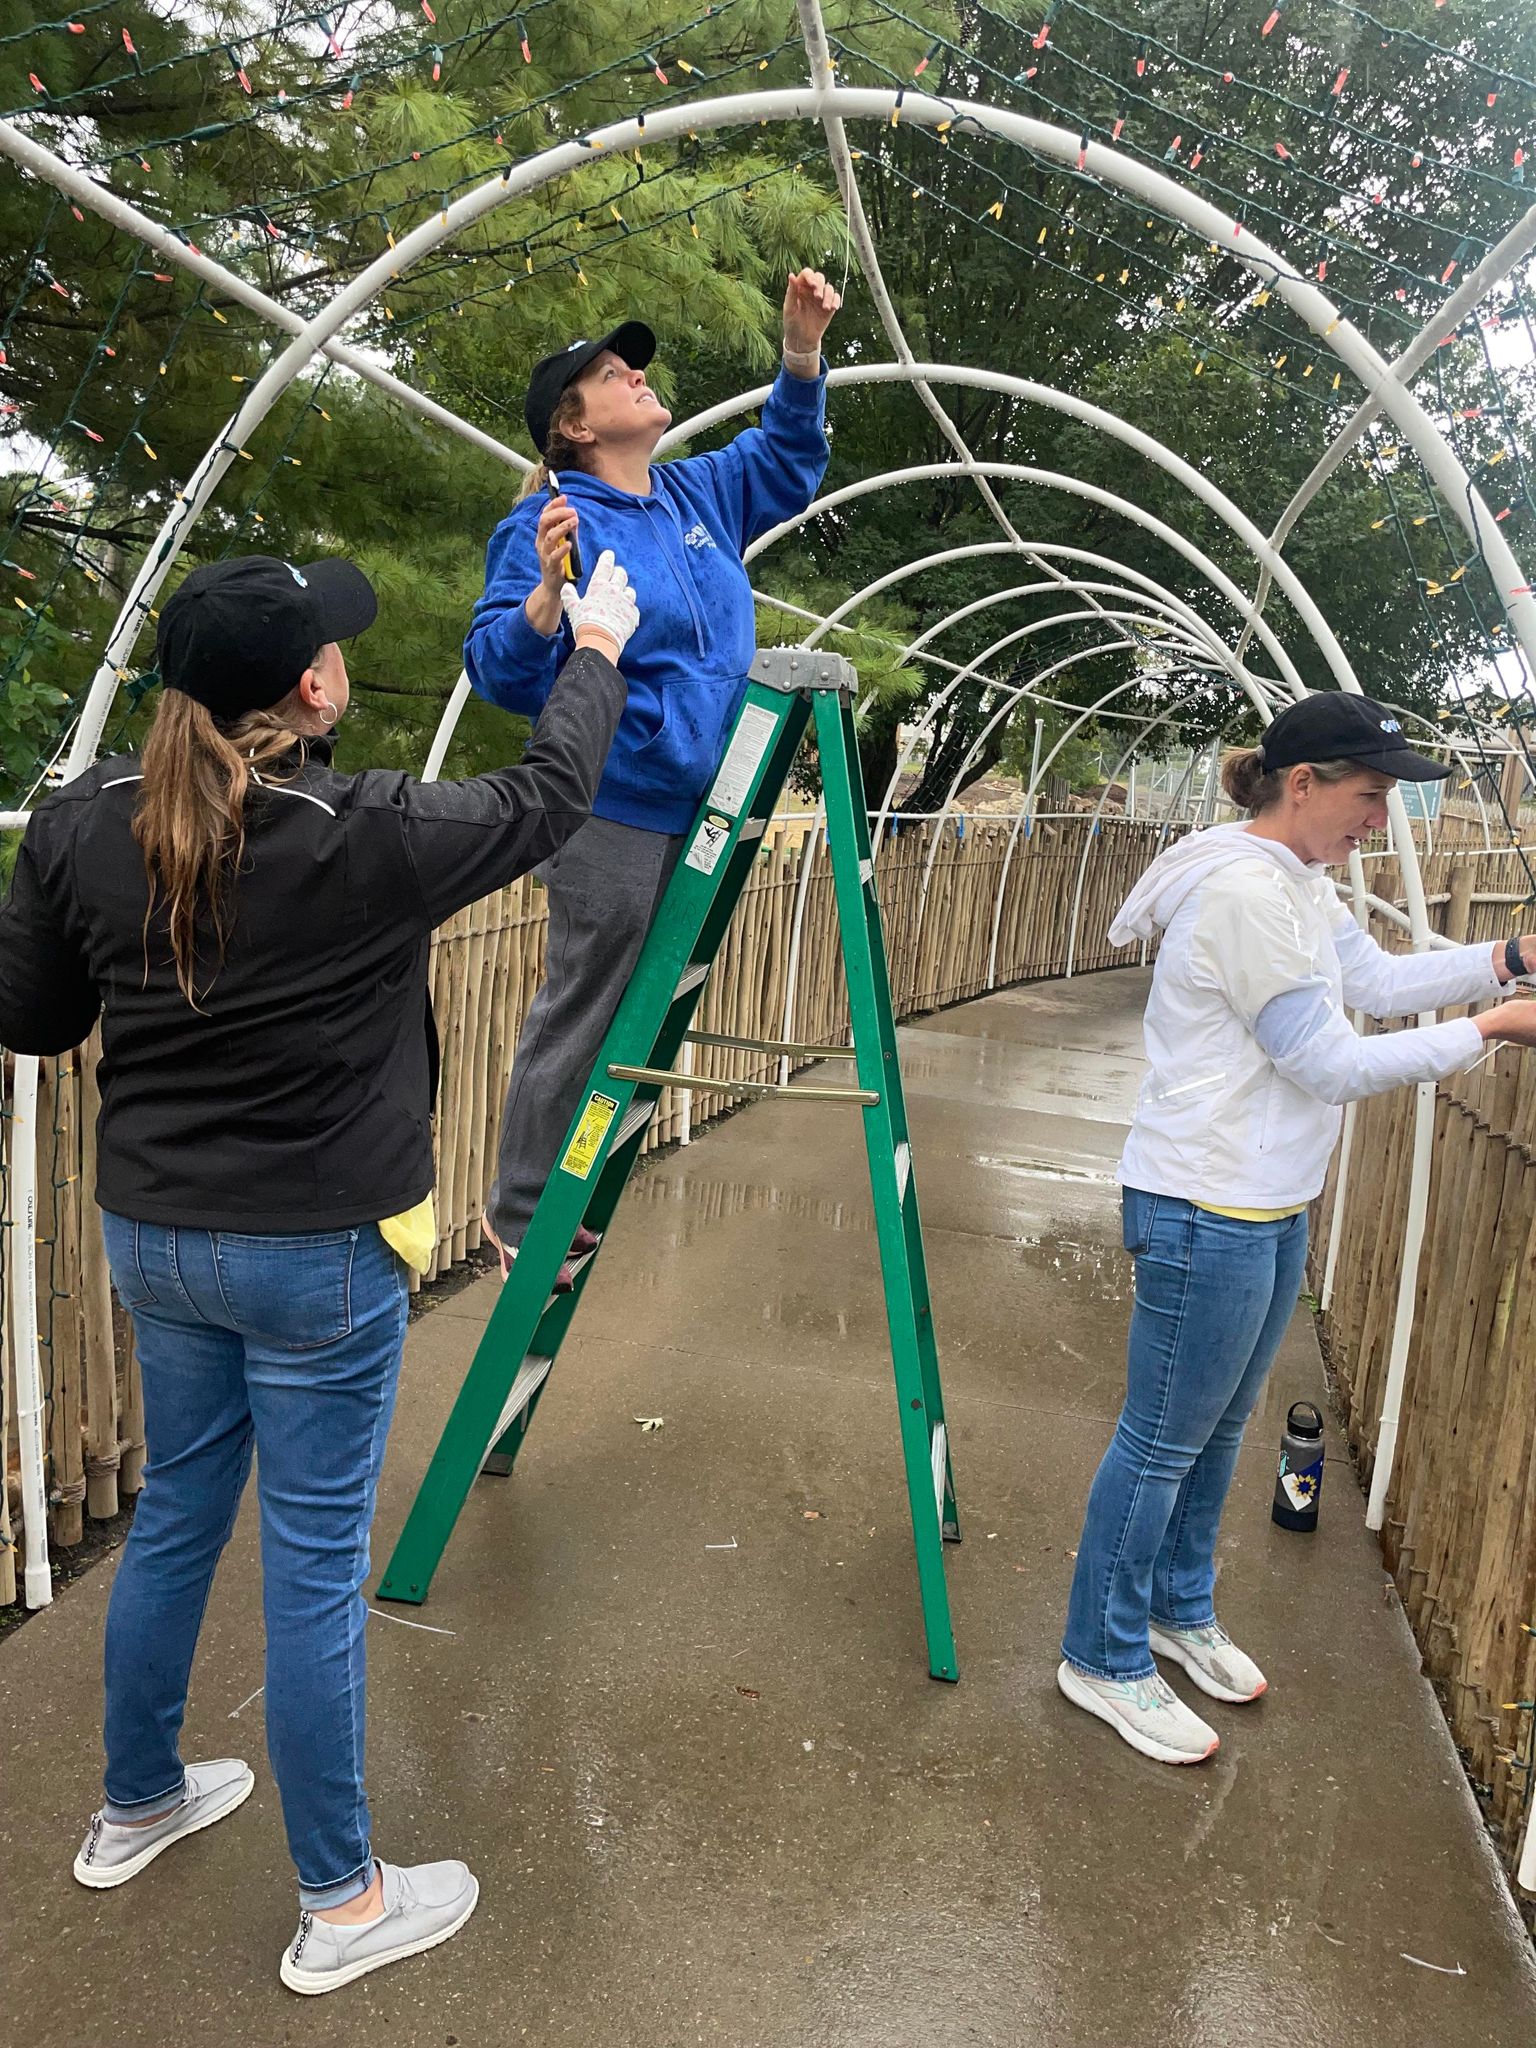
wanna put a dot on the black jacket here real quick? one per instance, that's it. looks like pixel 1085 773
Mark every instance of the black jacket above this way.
pixel 299 1095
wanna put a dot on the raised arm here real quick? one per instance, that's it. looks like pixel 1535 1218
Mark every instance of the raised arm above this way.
pixel 772 471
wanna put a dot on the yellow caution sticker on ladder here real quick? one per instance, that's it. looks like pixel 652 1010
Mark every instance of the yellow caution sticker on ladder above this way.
pixel 581 1153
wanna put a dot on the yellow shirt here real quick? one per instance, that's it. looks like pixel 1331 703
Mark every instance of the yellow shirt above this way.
pixel 413 1234
pixel 1239 1215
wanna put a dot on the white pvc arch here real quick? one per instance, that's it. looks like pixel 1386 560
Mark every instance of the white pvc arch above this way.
pixel 1101 421
pixel 1199 641
pixel 1198 651
pixel 823 103
pixel 831 105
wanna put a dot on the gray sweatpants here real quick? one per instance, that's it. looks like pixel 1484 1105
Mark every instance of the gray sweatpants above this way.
pixel 605 886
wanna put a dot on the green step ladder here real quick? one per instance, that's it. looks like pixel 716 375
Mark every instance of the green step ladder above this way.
pixel 788 688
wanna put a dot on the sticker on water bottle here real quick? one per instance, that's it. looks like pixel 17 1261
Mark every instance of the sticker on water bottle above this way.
pixel 1302 1488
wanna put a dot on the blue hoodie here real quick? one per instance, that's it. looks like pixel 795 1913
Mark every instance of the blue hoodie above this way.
pixel 687 664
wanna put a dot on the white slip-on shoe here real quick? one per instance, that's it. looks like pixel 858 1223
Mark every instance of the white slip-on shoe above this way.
pixel 1146 1712
pixel 1212 1660
pixel 423 1905
pixel 110 1854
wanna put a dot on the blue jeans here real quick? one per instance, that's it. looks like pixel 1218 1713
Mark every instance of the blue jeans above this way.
pixel 290 1346
pixel 1213 1299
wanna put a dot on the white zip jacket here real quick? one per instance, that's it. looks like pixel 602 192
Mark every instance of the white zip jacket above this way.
pixel 1248 1036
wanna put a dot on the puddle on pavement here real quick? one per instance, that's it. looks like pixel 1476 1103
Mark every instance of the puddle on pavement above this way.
pixel 1048 1169
pixel 703 1201
pixel 1094 1272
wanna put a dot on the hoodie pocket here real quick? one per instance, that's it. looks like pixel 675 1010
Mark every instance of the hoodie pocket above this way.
pixel 681 756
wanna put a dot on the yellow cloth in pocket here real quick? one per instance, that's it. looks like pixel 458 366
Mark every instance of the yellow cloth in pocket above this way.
pixel 413 1234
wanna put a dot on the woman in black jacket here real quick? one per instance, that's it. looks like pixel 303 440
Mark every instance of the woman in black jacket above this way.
pixel 253 929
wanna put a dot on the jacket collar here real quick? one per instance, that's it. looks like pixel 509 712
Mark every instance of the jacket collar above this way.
pixel 314 750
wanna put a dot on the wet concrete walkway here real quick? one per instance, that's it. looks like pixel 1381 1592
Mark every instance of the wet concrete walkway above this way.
pixel 712 1795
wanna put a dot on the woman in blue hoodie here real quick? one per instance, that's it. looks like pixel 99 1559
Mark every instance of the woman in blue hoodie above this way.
pixel 680 529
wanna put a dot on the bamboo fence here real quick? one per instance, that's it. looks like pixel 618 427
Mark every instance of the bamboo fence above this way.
pixel 1461 1530
pixel 485 966
pixel 1460 1534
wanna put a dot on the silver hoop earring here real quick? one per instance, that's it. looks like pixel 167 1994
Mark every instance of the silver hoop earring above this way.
pixel 330 714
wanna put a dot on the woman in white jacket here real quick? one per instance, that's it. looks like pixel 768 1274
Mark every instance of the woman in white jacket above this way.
pixel 1250 1053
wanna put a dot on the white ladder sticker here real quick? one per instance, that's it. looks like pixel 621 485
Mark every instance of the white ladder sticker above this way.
pixel 752 738
pixel 903 1169
pixel 709 842
pixel 866 872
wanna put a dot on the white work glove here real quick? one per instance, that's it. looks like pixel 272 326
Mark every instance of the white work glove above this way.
pixel 609 606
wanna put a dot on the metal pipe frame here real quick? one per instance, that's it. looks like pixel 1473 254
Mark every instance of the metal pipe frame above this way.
pixel 819 55
pixel 1049 479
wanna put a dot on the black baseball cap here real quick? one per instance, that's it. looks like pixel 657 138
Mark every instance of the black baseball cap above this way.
pixel 632 341
pixel 238 634
pixel 1336 725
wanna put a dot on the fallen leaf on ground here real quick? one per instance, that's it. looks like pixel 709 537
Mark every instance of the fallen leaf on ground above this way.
pixel 811 1515
pixel 650 1422
pixel 747 1693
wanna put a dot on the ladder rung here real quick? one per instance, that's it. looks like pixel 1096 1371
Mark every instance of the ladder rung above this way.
pixel 664 1077
pixel 773 1045
pixel 691 978
pixel 940 1449
pixel 531 1375
pixel 635 1118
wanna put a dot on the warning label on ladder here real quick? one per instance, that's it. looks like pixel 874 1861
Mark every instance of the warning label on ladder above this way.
pixel 708 844
pixel 755 728
pixel 581 1153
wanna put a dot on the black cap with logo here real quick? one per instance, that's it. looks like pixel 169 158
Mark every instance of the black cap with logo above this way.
pixel 633 342
pixel 239 634
pixel 1336 725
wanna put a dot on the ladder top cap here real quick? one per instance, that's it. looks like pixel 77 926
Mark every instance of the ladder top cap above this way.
pixel 792 669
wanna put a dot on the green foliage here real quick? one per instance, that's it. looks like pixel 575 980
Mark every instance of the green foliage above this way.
pixel 993 257
pixel 1081 290
pixel 30 706
pixel 154 367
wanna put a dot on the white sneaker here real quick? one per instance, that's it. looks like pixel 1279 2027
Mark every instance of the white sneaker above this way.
pixel 1212 1660
pixel 1146 1712
pixel 110 1855
pixel 422 1905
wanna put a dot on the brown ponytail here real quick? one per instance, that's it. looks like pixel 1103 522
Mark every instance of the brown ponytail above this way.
pixel 190 818
pixel 1255 790
pixel 559 452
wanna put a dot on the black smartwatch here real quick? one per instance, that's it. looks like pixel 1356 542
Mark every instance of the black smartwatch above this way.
pixel 1514 960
